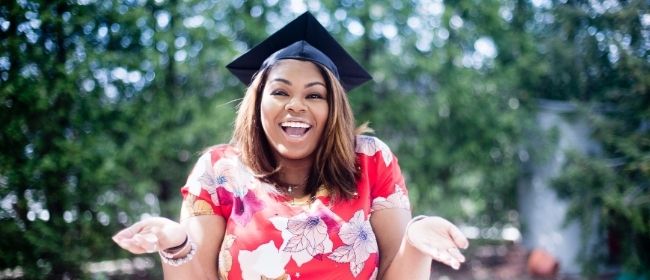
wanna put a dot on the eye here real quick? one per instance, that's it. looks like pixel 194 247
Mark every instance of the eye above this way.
pixel 315 95
pixel 279 92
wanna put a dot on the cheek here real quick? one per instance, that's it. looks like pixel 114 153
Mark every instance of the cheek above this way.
pixel 266 110
pixel 322 113
pixel 266 117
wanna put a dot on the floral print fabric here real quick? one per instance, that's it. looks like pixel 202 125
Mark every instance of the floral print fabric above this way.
pixel 269 238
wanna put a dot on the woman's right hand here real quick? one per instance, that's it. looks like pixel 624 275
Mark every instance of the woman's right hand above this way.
pixel 150 235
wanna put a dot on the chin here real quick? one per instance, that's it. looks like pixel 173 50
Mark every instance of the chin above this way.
pixel 295 155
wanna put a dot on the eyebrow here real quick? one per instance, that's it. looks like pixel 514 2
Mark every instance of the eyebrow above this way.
pixel 281 80
pixel 289 83
pixel 314 83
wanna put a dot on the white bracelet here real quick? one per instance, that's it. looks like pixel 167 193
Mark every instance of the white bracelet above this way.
pixel 180 261
pixel 415 219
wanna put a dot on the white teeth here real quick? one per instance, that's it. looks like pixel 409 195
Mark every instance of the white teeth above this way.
pixel 295 124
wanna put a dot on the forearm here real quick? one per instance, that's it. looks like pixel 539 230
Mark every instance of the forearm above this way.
pixel 186 265
pixel 190 270
pixel 204 237
pixel 409 263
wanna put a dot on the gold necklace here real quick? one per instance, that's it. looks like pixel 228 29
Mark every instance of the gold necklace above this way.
pixel 290 189
pixel 301 203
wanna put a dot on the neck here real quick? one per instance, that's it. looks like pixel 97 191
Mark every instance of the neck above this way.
pixel 295 173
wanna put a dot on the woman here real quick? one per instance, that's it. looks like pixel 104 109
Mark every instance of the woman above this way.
pixel 298 193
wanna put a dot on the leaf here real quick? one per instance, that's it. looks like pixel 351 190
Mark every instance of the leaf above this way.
pixel 342 254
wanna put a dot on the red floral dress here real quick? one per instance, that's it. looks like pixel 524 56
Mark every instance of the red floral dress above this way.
pixel 269 238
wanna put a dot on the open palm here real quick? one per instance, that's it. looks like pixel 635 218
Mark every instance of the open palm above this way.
pixel 438 238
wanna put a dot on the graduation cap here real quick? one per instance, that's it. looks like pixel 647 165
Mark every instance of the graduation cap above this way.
pixel 304 38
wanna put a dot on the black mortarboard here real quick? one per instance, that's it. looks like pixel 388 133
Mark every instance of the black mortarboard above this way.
pixel 306 39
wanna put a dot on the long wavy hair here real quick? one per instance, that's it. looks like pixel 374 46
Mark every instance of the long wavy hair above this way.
pixel 335 166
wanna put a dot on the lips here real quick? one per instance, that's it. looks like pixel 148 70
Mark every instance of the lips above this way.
pixel 295 129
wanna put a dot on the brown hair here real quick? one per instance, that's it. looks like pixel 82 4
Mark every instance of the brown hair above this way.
pixel 335 165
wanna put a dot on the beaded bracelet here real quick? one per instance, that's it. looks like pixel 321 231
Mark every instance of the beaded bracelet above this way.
pixel 173 261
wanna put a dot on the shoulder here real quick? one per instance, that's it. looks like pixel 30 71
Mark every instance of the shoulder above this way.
pixel 369 145
pixel 372 146
pixel 220 151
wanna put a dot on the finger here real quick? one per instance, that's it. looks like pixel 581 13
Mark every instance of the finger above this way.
pixel 440 256
pixel 132 246
pixel 459 238
pixel 455 253
pixel 448 259
pixel 454 264
pixel 148 242
pixel 149 237
pixel 124 243
pixel 132 230
pixel 124 234
pixel 434 253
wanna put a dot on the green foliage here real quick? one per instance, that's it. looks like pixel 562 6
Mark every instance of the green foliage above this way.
pixel 106 105
pixel 99 126
pixel 586 197
pixel 597 193
pixel 450 113
pixel 599 59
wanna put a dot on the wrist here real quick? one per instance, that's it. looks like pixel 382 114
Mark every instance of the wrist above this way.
pixel 177 248
pixel 178 251
pixel 407 233
pixel 172 237
pixel 408 248
pixel 180 255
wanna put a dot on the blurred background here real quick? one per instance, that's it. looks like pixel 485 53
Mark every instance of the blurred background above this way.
pixel 526 123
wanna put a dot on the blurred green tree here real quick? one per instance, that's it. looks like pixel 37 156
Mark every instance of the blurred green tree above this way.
pixel 106 104
pixel 597 56
pixel 444 102
pixel 99 101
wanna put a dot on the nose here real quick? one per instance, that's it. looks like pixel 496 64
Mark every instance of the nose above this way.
pixel 296 104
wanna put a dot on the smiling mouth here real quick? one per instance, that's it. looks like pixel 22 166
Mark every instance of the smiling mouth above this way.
pixel 295 129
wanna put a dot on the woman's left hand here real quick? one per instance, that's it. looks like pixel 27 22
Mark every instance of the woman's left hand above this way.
pixel 439 239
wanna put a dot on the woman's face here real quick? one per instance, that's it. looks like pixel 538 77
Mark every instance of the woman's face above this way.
pixel 294 108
